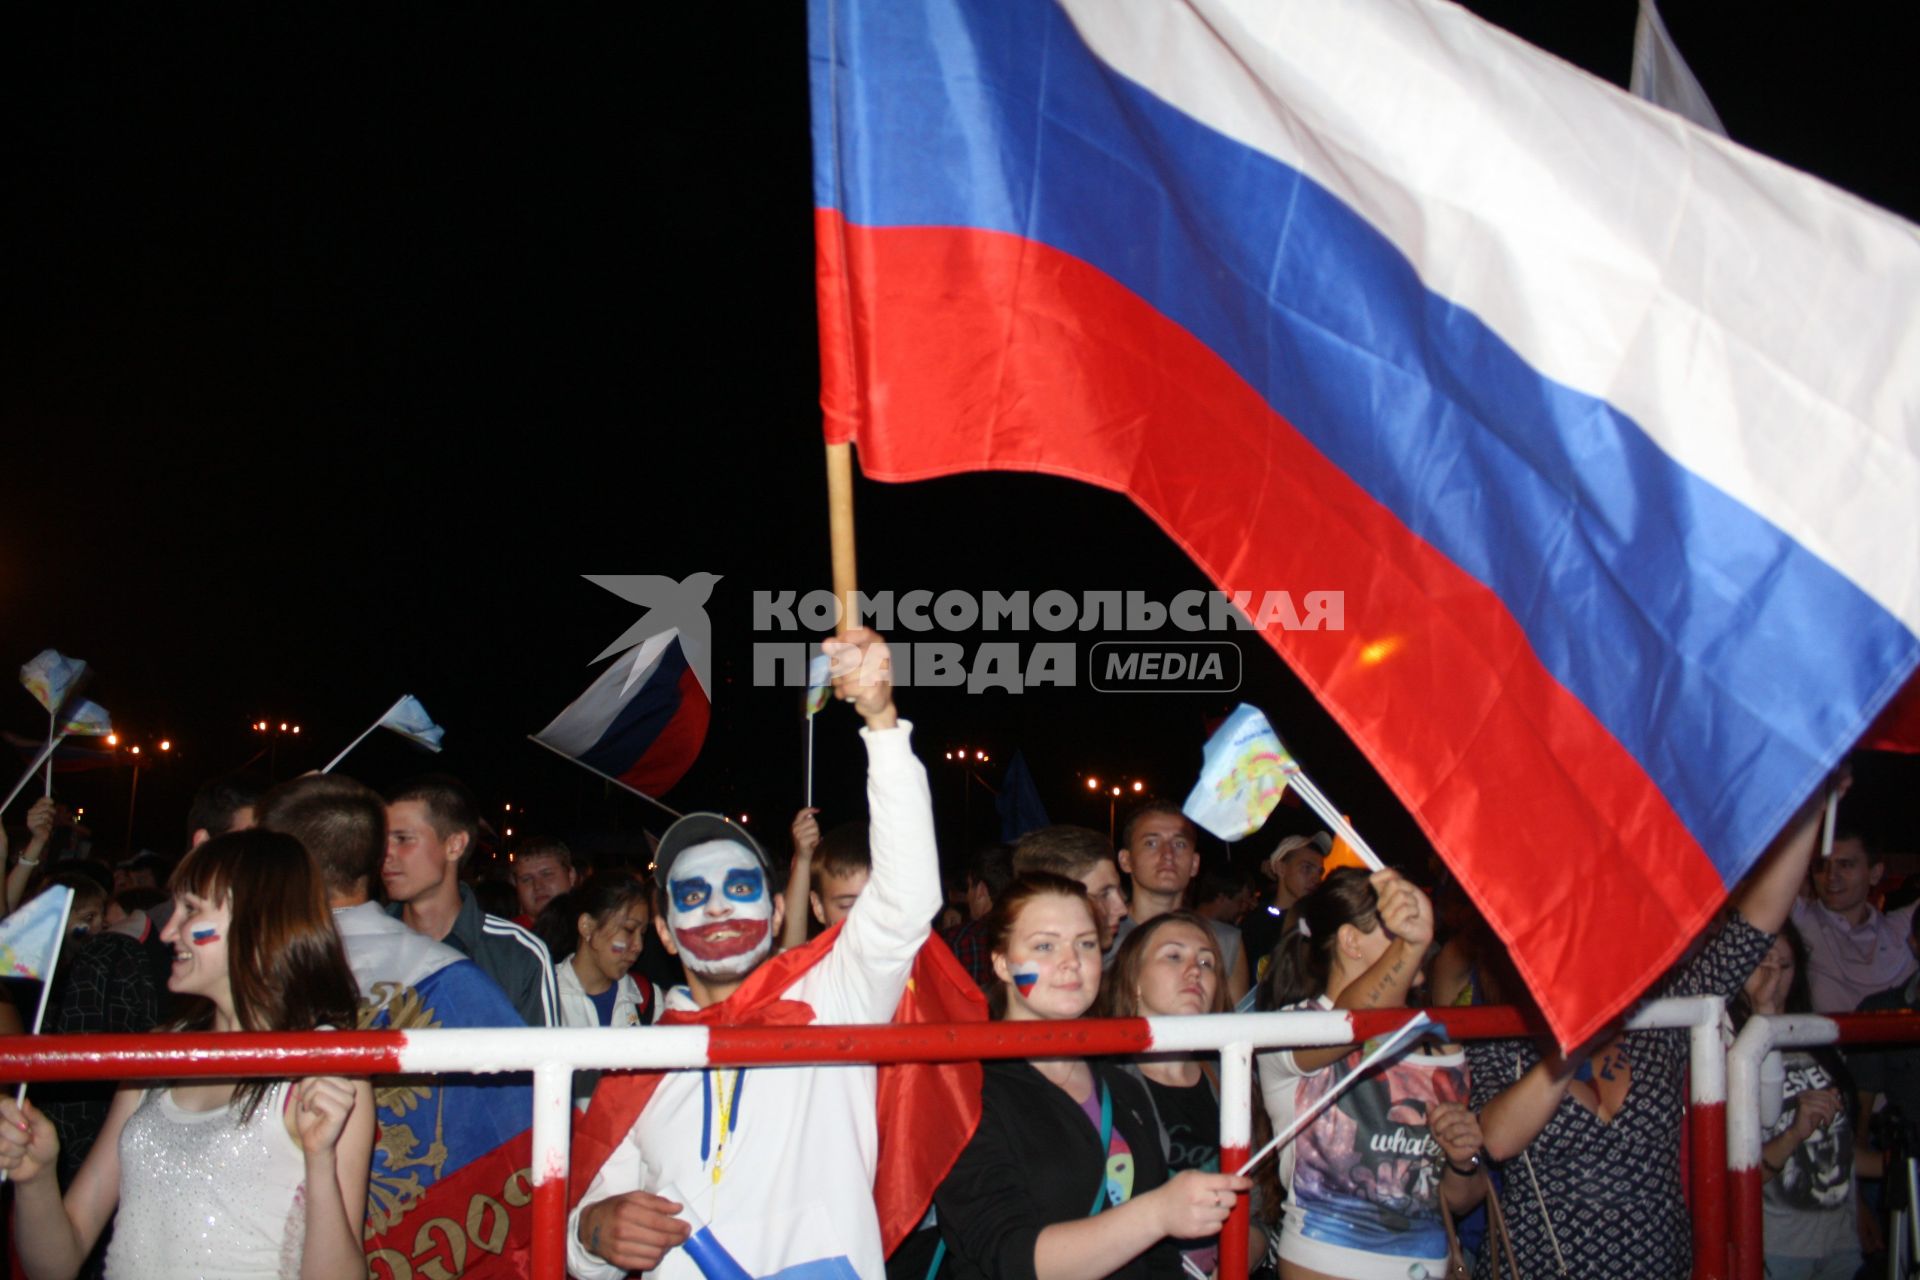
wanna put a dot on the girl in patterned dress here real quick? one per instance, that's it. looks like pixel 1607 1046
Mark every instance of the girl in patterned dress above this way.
pixel 219 1178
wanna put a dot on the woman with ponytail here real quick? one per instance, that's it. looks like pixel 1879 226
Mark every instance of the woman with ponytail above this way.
pixel 1368 1180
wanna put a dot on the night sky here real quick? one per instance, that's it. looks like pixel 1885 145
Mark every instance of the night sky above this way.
pixel 340 341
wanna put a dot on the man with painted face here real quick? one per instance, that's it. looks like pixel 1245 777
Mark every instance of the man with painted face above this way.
pixel 779 1162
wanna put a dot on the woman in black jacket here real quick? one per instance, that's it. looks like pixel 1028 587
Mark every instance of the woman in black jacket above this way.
pixel 1064 1179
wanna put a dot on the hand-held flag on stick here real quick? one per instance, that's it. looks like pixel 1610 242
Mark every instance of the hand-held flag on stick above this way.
pixel 819 689
pixel 30 938
pixel 641 724
pixel 52 677
pixel 1627 550
pixel 1243 773
pixel 407 718
pixel 86 719
pixel 1244 770
pixel 30 941
pixel 1420 1023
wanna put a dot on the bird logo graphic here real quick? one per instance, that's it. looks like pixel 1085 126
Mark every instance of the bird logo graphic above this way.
pixel 670 606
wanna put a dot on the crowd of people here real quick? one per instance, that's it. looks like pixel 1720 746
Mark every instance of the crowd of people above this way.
pixel 322 904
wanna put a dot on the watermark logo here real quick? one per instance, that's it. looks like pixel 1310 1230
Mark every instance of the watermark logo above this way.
pixel 1166 663
pixel 1146 666
pixel 670 606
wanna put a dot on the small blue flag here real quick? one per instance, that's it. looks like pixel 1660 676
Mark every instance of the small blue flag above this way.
pixel 30 938
pixel 410 720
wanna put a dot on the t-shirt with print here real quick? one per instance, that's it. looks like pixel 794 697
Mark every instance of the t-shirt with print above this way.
pixel 1363 1180
pixel 1809 1204
pixel 1119 1154
pixel 1190 1120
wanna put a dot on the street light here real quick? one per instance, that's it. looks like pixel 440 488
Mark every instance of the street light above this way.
pixel 1115 790
pixel 274 732
pixel 134 751
pixel 970 759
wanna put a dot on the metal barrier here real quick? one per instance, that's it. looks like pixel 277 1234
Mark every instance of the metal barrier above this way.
pixel 554 1055
pixel 1758 1038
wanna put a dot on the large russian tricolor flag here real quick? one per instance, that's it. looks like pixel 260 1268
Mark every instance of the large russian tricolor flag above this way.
pixel 642 722
pixel 1605 427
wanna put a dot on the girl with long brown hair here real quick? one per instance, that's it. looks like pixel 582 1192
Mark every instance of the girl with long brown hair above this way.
pixel 230 1178
pixel 1065 1178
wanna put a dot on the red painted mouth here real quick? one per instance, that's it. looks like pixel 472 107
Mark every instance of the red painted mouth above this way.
pixel 722 941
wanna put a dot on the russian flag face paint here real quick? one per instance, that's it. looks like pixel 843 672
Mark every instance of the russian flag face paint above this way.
pixel 204 937
pixel 1025 975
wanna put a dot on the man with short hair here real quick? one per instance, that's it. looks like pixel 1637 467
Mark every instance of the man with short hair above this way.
pixel 795 1181
pixel 431 823
pixel 429 1128
pixel 220 806
pixel 1295 866
pixel 1160 850
pixel 542 871
pixel 1083 855
pixel 988 874
pixel 842 865
pixel 1854 950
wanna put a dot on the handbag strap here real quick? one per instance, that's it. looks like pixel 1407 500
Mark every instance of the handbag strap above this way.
pixel 1498 1241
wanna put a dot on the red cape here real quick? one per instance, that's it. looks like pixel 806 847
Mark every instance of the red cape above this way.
pixel 927 1112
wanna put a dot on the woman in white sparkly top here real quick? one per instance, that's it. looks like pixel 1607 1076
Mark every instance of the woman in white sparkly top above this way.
pixel 219 1178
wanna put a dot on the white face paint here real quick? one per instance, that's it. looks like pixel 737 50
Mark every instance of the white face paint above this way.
pixel 720 909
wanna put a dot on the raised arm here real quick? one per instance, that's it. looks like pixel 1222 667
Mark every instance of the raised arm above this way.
pixel 1405 913
pixel 806 838
pixel 40 824
pixel 863 976
pixel 1766 896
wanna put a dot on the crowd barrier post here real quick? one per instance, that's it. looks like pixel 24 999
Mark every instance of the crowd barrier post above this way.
pixel 1706 1131
pixel 1236 1144
pixel 552 1152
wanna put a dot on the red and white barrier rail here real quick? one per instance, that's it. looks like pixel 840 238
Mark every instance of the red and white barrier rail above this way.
pixel 554 1055
pixel 1756 1040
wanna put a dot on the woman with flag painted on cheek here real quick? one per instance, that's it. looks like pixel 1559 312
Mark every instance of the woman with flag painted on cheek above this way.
pixel 1064 1179
pixel 598 928
pixel 255 1178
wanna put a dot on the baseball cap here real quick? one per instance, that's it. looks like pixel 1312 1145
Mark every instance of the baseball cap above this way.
pixel 1319 840
pixel 698 829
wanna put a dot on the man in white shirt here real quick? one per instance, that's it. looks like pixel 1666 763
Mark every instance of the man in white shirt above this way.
pixel 1854 949
pixel 779 1162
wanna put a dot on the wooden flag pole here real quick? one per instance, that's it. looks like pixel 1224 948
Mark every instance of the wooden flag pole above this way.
pixel 840 529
